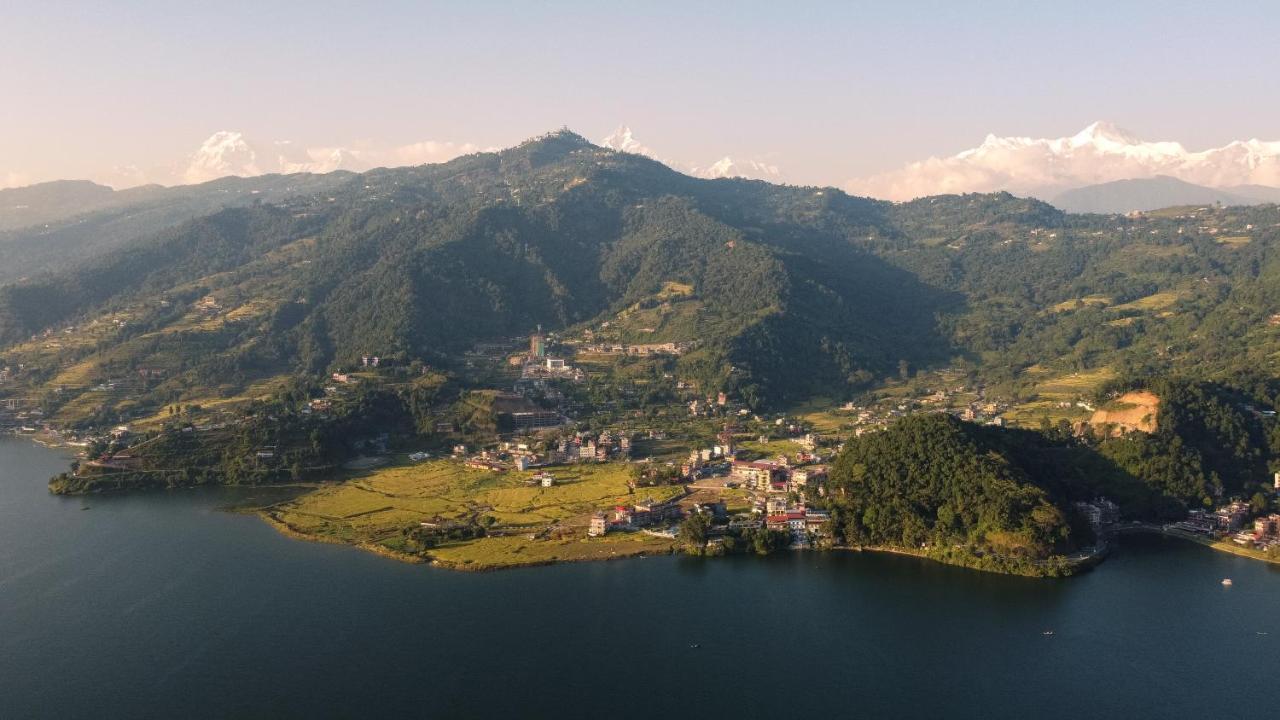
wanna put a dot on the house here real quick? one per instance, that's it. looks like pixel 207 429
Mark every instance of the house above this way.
pixel 1100 512
pixel 717 510
pixel 545 479
pixel 777 521
pixel 650 512
pixel 1267 526
pixel 756 474
pixel 817 521
pixel 1232 517
pixel 483 464
pixel 599 525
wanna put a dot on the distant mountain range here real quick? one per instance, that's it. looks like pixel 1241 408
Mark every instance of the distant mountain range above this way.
pixel 1121 196
pixel 1102 168
pixel 1101 153
pixel 58 225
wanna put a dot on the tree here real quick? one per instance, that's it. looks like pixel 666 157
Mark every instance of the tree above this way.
pixel 693 532
pixel 1259 503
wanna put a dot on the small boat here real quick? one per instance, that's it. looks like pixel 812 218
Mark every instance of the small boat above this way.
pixel 1226 582
pixel 1047 632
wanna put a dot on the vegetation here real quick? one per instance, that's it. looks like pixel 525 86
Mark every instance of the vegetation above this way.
pixel 217 339
pixel 473 519
pixel 934 482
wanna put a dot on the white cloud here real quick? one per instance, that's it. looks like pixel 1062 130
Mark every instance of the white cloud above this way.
pixel 624 140
pixel 14 178
pixel 230 153
pixel 427 151
pixel 1100 153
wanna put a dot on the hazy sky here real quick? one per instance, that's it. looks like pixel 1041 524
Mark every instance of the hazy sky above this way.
pixel 828 91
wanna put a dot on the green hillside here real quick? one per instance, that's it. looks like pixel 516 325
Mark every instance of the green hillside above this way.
pixel 786 293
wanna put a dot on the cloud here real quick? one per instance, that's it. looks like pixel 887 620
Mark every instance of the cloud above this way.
pixel 14 178
pixel 230 153
pixel 1044 167
pixel 427 151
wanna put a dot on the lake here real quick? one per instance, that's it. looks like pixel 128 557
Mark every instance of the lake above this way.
pixel 161 605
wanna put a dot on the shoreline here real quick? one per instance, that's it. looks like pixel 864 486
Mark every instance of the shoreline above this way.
pixel 289 531
pixel 1219 545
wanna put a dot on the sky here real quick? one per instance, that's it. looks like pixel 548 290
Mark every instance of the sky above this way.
pixel 829 92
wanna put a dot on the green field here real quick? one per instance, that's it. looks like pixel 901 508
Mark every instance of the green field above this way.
pixel 375 509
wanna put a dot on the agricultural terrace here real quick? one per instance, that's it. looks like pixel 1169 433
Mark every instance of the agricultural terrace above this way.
pixel 528 523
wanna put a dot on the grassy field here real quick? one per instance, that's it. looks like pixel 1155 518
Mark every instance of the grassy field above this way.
pixel 1088 300
pixel 770 449
pixel 1051 390
pixel 1235 240
pixel 821 413
pixel 374 509
pixel 1158 301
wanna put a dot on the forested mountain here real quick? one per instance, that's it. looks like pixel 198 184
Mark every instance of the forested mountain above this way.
pixel 61 225
pixel 1004 499
pixel 954 488
pixel 793 291
pixel 46 202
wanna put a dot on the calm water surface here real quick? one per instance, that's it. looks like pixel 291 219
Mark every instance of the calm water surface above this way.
pixel 160 605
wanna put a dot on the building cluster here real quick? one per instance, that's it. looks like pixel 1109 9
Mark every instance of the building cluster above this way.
pixel 1100 512
pixel 588 447
pixel 706 460
pixel 779 489
pixel 550 368
pixel 649 513
pixel 1216 523
pixel 641 350
pixel 1265 534
pixel 803 524
pixel 520 455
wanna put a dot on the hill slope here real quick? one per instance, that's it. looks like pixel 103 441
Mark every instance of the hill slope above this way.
pixel 1162 191
pixel 787 292
pixel 61 225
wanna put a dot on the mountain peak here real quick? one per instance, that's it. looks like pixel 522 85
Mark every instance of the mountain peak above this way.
pixel 623 140
pixel 1104 133
pixel 224 153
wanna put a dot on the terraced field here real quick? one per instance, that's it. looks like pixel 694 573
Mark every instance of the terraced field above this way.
pixel 530 524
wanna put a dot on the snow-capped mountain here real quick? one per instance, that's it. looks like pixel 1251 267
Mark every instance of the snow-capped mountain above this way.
pixel 230 153
pixel 1100 153
pixel 728 167
pixel 624 140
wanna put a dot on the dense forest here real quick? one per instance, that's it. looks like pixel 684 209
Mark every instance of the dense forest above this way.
pixel 1003 498
pixel 954 489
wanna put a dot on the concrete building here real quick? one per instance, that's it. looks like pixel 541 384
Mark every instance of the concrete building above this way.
pixel 599 525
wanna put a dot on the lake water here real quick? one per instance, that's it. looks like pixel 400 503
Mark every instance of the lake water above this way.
pixel 160 605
